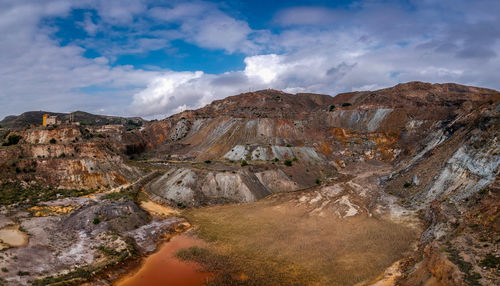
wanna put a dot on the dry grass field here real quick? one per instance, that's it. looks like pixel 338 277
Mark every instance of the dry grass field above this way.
pixel 274 242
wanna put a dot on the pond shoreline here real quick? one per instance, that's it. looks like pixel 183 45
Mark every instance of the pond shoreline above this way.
pixel 12 236
pixel 173 270
pixel 111 274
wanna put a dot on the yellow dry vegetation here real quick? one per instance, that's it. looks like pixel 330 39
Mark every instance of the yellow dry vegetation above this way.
pixel 50 210
pixel 157 209
pixel 276 242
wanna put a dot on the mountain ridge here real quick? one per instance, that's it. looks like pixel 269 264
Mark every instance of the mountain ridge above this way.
pixel 35 117
pixel 442 90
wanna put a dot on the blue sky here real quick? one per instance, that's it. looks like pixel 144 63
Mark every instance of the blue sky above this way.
pixel 154 58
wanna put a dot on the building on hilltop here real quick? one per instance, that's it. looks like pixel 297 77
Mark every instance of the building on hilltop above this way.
pixel 72 121
pixel 53 120
pixel 49 120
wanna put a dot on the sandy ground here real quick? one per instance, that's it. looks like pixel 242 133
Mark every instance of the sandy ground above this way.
pixel 11 236
pixel 157 209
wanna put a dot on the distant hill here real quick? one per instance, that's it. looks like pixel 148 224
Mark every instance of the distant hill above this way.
pixel 35 117
pixel 268 103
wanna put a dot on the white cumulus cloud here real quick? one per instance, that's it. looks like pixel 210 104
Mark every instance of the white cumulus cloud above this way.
pixel 369 44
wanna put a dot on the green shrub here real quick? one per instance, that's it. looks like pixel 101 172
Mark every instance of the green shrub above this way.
pixel 332 107
pixel 79 273
pixel 13 139
pixel 346 104
pixel 244 163
pixel 288 145
pixel 491 261
pixel 276 159
pixel 14 192
pixel 470 276
pixel 208 162
pixel 294 159
pixel 108 251
pixel 52 141
pixel 96 220
pixel 288 162
pixel 129 193
pixel 407 185
pixel 318 182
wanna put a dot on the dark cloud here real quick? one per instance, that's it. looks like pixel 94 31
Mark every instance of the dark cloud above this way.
pixel 230 79
pixel 340 70
pixel 311 16
pixel 476 52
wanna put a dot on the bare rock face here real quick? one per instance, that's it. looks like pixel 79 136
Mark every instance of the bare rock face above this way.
pixel 276 181
pixel 43 136
pixel 193 187
pixel 181 130
pixel 106 216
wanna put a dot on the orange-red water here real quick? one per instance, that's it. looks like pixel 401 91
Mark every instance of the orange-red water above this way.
pixel 163 268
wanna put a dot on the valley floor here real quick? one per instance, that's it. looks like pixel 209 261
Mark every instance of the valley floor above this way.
pixel 274 243
pixel 333 234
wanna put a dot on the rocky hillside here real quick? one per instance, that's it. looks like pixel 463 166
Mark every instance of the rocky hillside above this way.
pixel 440 141
pixel 416 154
pixel 67 157
pixel 391 125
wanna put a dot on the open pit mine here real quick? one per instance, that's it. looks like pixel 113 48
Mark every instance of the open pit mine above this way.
pixel 397 186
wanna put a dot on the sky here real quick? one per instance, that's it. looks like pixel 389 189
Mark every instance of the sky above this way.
pixel 156 58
